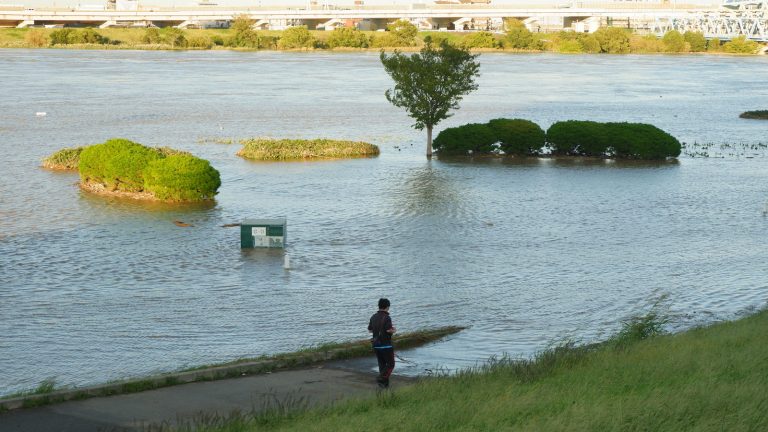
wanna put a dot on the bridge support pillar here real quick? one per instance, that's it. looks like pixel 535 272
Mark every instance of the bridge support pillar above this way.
pixel 460 23
pixel 188 23
pixel 261 24
pixel 331 24
pixel 26 23
pixel 424 23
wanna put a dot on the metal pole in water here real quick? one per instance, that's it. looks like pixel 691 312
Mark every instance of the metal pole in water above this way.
pixel 287 262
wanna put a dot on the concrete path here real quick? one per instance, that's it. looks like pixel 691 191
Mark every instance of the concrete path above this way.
pixel 320 385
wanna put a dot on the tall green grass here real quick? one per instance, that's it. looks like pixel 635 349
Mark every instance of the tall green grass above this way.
pixel 286 149
pixel 706 379
pixel 64 159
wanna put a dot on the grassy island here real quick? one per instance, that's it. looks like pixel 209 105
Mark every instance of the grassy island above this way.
pixel 265 149
pixel 706 379
pixel 125 168
pixel 756 115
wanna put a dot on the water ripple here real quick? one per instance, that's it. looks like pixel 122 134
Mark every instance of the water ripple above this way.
pixel 523 252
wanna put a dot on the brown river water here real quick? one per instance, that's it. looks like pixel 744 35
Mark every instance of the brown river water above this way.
pixel 524 253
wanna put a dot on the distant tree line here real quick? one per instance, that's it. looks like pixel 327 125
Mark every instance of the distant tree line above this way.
pixel 402 34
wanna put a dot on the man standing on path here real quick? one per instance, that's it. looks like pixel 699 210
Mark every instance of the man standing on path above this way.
pixel 381 327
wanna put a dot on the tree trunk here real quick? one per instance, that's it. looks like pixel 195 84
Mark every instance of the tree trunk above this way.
pixel 429 141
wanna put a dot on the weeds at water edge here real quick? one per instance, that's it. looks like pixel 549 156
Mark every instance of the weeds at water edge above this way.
pixel 270 410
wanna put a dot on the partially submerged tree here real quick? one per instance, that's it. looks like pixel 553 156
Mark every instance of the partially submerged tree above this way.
pixel 431 83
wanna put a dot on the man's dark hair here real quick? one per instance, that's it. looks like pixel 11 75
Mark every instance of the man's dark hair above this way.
pixel 383 303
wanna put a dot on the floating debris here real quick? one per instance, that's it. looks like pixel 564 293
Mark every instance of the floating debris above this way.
pixel 181 224
pixel 230 225
pixel 215 140
pixel 41 113
pixel 725 150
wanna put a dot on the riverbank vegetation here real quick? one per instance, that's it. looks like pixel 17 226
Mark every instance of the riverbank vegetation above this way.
pixel 706 379
pixel 568 138
pixel 47 392
pixel 122 167
pixel 399 34
pixel 268 149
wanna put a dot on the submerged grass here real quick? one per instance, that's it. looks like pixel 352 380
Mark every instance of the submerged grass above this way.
pixel 266 149
pixel 41 394
pixel 758 115
pixel 64 159
pixel 339 350
pixel 706 379
pixel 748 150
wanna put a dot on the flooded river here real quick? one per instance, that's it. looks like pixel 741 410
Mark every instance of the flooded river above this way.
pixel 95 289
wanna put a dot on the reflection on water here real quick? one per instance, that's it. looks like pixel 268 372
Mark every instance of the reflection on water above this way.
pixel 521 251
pixel 563 161
pixel 426 191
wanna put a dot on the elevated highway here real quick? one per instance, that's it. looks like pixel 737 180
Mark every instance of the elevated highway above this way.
pixel 431 16
pixel 740 17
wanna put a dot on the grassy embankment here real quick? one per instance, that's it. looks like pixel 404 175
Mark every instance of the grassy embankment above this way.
pixel 265 149
pixel 707 379
pixel 47 392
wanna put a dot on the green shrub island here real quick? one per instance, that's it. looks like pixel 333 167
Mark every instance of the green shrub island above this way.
pixel 267 149
pixel 181 177
pixel 617 140
pixel 473 138
pixel 118 164
pixel 518 136
pixel 572 138
pixel 169 175
pixel 512 136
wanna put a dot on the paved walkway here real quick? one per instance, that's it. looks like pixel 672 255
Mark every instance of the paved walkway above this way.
pixel 320 385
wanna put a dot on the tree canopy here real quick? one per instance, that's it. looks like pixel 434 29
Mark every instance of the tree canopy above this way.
pixel 430 83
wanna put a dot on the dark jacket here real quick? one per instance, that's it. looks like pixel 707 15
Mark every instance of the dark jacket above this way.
pixel 379 324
